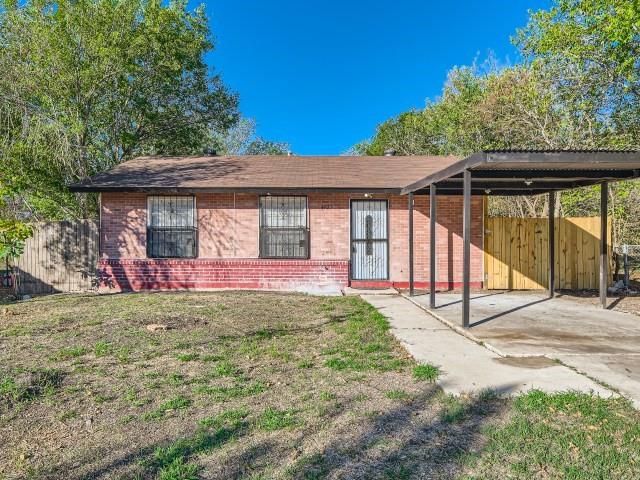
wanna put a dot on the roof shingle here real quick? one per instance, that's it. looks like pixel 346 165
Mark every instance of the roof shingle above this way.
pixel 266 173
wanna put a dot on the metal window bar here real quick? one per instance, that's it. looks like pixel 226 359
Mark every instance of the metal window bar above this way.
pixel 284 231
pixel 171 228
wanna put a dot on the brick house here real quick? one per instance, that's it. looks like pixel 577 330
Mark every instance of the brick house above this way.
pixel 277 222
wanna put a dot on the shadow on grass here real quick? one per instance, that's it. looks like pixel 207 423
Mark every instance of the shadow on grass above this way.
pixel 428 436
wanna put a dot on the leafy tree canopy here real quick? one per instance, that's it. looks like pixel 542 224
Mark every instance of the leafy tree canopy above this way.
pixel 86 84
pixel 578 87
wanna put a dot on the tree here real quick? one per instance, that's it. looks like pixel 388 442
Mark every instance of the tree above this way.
pixel 242 139
pixel 577 88
pixel 86 84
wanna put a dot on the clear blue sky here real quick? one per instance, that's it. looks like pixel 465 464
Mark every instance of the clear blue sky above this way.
pixel 322 74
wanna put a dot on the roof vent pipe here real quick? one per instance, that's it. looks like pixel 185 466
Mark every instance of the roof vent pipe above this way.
pixel 210 151
pixel 389 152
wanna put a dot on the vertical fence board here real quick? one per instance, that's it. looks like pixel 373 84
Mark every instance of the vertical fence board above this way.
pixel 59 257
pixel 517 253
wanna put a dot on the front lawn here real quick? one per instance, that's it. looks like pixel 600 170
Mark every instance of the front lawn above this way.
pixel 266 385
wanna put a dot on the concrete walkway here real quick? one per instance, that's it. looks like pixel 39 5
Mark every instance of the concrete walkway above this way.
pixel 467 366
pixel 602 344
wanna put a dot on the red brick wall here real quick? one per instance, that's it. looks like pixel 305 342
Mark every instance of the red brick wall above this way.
pixel 200 274
pixel 228 230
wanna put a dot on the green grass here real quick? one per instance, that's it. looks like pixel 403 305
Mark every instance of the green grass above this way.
pixel 224 368
pixel 566 435
pixel 327 396
pixel 316 381
pixel 222 393
pixel 397 395
pixel 426 372
pixel 176 403
pixel 175 460
pixel 274 419
pixel 102 349
pixel 67 353
pixel 305 363
pixel 233 417
pixel 23 385
pixel 364 341
pixel 188 357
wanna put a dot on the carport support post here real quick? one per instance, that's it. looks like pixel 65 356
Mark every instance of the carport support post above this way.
pixel 466 240
pixel 410 200
pixel 552 244
pixel 432 245
pixel 604 273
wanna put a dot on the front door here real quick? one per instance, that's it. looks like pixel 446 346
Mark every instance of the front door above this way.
pixel 369 240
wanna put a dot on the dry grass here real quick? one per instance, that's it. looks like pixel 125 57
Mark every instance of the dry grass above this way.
pixel 240 385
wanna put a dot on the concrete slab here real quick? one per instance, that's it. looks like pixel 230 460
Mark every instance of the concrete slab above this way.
pixel 467 366
pixel 369 291
pixel 603 344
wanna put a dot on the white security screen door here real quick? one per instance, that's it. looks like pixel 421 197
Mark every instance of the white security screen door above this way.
pixel 369 240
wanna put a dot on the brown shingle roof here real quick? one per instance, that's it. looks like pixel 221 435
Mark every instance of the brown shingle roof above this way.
pixel 265 173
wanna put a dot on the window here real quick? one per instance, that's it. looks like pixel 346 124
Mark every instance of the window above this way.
pixel 283 227
pixel 172 229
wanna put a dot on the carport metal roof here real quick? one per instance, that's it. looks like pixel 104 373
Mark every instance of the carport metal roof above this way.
pixel 519 172
pixel 531 172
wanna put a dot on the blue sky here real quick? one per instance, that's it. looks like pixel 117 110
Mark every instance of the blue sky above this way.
pixel 322 75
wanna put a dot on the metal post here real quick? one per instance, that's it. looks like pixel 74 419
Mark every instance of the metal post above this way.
pixel 625 259
pixel 466 240
pixel 552 244
pixel 604 194
pixel 410 200
pixel 432 246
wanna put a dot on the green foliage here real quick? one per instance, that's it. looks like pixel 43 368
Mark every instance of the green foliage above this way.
pixel 397 395
pixel 87 84
pixel 242 139
pixel 578 87
pixel 426 372
pixel 13 234
pixel 564 435
pixel 364 342
pixel 17 386
pixel 176 403
pixel 274 419
pixel 67 353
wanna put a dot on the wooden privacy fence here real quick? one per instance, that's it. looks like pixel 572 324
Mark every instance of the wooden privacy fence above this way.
pixel 517 253
pixel 59 257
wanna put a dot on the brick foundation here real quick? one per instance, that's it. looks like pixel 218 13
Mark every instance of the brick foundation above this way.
pixel 202 274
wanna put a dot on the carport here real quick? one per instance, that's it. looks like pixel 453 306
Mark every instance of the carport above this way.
pixel 519 172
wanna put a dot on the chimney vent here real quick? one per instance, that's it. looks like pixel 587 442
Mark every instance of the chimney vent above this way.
pixel 210 152
pixel 389 152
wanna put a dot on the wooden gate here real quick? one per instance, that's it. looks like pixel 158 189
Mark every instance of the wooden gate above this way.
pixel 59 257
pixel 517 253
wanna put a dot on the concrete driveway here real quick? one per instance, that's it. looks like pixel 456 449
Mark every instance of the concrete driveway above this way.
pixel 602 344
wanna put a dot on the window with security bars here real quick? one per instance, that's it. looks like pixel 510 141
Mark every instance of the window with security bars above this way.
pixel 172 227
pixel 284 231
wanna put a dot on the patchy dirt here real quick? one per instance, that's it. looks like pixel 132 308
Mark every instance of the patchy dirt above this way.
pixel 226 385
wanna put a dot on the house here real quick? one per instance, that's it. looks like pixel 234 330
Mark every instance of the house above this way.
pixel 306 223
pixel 321 223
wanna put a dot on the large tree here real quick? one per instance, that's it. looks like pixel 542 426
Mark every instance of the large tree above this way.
pixel 86 84
pixel 578 87
pixel 243 139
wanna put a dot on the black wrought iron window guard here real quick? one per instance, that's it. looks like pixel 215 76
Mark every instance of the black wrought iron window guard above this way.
pixel 284 231
pixel 171 229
